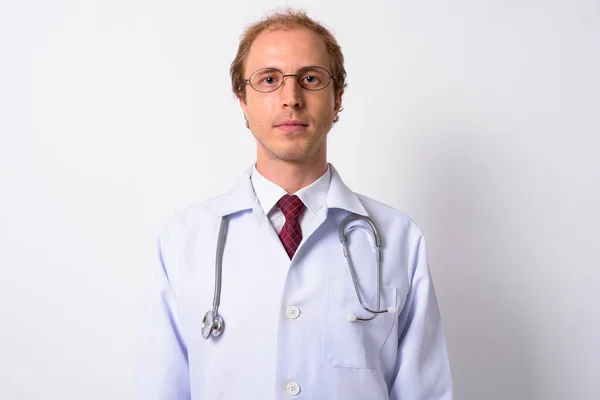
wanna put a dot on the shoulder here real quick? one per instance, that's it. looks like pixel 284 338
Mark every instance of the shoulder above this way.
pixel 191 218
pixel 390 216
pixel 398 229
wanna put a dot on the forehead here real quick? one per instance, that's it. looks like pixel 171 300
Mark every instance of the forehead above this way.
pixel 288 50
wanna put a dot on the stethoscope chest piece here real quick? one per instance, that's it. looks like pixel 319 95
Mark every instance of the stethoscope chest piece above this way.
pixel 211 325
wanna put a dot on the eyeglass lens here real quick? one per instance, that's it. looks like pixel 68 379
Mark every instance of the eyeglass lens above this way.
pixel 270 79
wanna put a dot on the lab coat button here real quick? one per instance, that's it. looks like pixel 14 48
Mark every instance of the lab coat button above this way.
pixel 293 312
pixel 292 388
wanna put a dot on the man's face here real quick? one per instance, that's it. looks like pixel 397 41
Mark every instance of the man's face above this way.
pixel 267 113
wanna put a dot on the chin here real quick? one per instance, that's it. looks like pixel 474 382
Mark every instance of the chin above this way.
pixel 291 156
pixel 292 150
pixel 296 153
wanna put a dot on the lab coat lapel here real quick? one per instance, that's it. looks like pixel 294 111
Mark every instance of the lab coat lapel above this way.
pixel 339 196
pixel 271 242
pixel 240 198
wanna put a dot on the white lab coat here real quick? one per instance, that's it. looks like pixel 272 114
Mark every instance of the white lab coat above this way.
pixel 264 352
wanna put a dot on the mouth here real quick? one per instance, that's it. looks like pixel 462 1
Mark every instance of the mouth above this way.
pixel 291 126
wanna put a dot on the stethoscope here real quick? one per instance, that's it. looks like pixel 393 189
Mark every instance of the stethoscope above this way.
pixel 213 322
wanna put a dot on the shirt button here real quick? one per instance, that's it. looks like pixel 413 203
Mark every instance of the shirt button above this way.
pixel 292 388
pixel 293 312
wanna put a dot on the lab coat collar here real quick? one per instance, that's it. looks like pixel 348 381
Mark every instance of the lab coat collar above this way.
pixel 241 197
pixel 313 196
pixel 341 196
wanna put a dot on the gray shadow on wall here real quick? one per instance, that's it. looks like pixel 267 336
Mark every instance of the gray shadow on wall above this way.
pixel 474 264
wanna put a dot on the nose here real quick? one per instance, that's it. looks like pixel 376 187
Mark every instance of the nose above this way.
pixel 291 92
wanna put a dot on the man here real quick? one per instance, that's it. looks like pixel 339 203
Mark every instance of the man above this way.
pixel 292 322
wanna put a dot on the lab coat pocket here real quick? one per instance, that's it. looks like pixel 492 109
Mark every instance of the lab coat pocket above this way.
pixel 356 344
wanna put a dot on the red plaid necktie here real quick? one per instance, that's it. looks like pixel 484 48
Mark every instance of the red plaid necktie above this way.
pixel 291 235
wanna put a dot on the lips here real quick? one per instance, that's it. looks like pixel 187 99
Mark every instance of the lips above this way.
pixel 291 123
pixel 291 126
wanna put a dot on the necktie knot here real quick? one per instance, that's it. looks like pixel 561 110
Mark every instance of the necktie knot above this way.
pixel 291 206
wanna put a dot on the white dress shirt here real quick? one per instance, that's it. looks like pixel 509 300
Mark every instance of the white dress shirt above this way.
pixel 268 194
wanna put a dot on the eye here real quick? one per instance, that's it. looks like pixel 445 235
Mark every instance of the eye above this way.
pixel 266 79
pixel 311 79
pixel 269 80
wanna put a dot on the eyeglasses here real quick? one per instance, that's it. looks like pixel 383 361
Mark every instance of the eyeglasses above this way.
pixel 267 80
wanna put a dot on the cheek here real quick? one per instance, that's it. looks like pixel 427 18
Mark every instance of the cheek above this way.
pixel 260 108
pixel 329 102
pixel 325 108
pixel 260 113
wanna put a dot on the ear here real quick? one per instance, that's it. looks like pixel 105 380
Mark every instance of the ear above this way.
pixel 338 101
pixel 244 107
pixel 243 103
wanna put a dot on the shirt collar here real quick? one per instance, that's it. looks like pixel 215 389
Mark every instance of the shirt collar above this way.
pixel 243 196
pixel 268 193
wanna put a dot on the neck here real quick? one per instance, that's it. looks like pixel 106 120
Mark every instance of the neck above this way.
pixel 291 175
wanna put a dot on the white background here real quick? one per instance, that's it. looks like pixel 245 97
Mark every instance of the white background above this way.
pixel 479 119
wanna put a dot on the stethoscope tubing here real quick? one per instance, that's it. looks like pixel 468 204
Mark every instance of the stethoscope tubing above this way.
pixel 218 262
pixel 213 323
pixel 377 238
